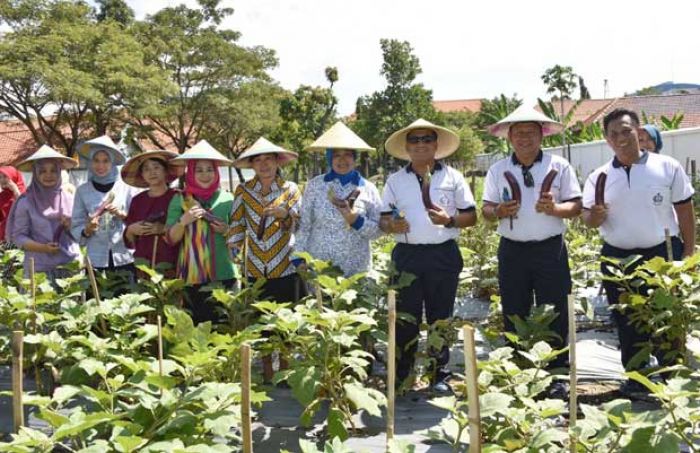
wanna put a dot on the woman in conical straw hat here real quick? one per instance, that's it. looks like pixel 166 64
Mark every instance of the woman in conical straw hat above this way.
pixel 100 208
pixel 266 210
pixel 340 214
pixel 198 222
pixel 145 223
pixel 39 222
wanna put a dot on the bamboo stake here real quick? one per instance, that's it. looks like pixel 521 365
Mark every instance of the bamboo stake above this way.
pixel 153 253
pixel 669 245
pixel 32 290
pixel 391 365
pixel 319 297
pixel 573 404
pixel 160 345
pixel 245 400
pixel 472 389
pixel 17 359
pixel 95 291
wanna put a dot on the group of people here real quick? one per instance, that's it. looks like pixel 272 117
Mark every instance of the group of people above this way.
pixel 210 235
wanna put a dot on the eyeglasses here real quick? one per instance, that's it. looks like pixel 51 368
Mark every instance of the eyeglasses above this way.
pixel 413 139
pixel 527 177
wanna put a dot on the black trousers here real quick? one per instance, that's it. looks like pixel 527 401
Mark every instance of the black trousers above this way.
pixel 437 268
pixel 629 335
pixel 536 272
pixel 198 302
pixel 290 288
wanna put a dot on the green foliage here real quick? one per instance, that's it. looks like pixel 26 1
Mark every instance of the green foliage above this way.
pixel 560 79
pixel 464 124
pixel 492 111
pixel 664 123
pixel 400 103
pixel 90 72
pixel 662 299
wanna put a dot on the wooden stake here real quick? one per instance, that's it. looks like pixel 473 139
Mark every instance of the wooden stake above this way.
pixel 95 291
pixel 32 284
pixel 17 387
pixel 245 400
pixel 154 252
pixel 319 297
pixel 391 365
pixel 669 245
pixel 472 389
pixel 160 345
pixel 573 404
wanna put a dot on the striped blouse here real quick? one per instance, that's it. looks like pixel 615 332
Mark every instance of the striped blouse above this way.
pixel 270 246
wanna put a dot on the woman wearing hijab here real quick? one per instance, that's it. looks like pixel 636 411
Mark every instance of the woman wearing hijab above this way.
pixel 198 221
pixel 100 208
pixel 39 222
pixel 650 139
pixel 145 223
pixel 266 209
pixel 341 209
pixel 11 187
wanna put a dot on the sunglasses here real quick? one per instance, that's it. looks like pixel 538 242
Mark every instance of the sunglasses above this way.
pixel 421 138
pixel 527 177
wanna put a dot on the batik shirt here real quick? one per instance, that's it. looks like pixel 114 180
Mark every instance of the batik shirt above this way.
pixel 270 244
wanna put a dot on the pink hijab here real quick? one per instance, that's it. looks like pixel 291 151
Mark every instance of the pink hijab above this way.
pixel 193 188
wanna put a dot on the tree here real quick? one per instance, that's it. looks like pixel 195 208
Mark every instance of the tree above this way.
pixel 400 103
pixel 561 79
pixel 203 61
pixel 115 10
pixel 493 111
pixel 305 115
pixel 583 89
pixel 66 76
pixel 463 123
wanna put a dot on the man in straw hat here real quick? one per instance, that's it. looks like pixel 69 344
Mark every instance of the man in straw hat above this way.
pixel 265 212
pixel 530 193
pixel 633 200
pixel 39 222
pixel 425 204
pixel 340 214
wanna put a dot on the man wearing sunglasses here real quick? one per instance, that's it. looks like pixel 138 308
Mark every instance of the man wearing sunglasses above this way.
pixel 532 256
pixel 425 204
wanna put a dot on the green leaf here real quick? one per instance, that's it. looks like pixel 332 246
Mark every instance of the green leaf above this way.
pixel 365 398
pixel 494 403
pixel 82 423
pixel 127 444
pixel 336 424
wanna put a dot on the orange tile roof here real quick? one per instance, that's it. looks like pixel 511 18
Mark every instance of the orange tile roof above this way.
pixel 458 105
pixel 16 142
pixel 666 105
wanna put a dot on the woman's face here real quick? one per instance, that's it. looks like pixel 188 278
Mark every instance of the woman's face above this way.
pixel 48 174
pixel 343 161
pixel 101 165
pixel 265 166
pixel 204 173
pixel 646 142
pixel 153 172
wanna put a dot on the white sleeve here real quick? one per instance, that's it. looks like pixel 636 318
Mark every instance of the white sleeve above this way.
pixel 681 187
pixel 388 196
pixel 464 199
pixel 589 191
pixel 491 192
pixel 569 187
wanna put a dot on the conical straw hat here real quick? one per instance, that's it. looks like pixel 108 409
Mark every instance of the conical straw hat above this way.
pixel 339 136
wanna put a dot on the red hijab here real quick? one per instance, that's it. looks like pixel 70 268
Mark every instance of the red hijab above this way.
pixel 192 187
pixel 7 197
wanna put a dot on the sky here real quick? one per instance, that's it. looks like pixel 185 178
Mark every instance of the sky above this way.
pixel 472 49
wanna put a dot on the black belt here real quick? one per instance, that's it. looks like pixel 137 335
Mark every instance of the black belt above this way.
pixel 556 238
pixel 439 244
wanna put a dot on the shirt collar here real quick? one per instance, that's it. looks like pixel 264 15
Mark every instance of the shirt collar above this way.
pixel 642 160
pixel 436 167
pixel 515 161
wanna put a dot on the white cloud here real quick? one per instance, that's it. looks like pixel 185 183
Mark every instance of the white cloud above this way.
pixel 473 49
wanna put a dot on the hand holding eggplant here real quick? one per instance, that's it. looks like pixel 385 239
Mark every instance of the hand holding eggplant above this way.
pixel 546 204
pixel 599 211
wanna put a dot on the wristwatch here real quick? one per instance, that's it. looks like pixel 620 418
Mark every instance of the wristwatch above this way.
pixel 451 223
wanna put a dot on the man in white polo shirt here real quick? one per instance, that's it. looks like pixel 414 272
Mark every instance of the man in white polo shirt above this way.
pixel 644 194
pixel 424 205
pixel 533 262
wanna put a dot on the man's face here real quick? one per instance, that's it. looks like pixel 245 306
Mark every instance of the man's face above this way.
pixel 526 138
pixel 623 136
pixel 421 145
pixel 265 165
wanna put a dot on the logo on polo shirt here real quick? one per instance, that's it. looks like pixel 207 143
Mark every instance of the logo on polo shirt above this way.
pixel 658 199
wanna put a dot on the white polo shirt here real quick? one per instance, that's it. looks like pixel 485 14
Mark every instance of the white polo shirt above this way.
pixel 530 225
pixel 640 201
pixel 448 189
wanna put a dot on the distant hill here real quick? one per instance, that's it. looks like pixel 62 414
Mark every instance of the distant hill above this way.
pixel 669 88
